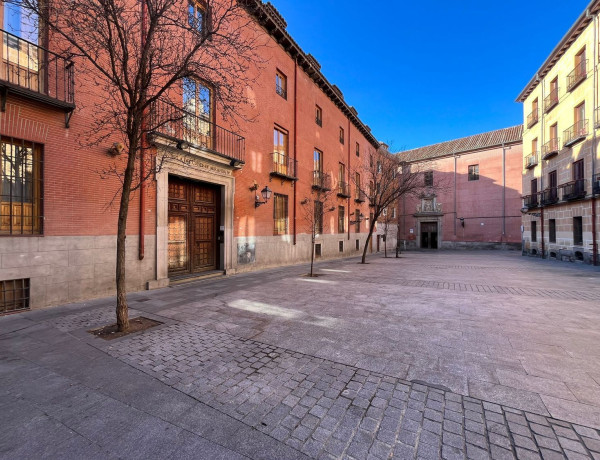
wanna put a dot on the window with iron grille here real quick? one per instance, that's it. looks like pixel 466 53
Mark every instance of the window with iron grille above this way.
pixel 14 295
pixel 341 135
pixel 357 221
pixel 552 230
pixel 318 216
pixel 428 178
pixel 341 219
pixel 357 245
pixel 318 250
pixel 474 172
pixel 357 149
pixel 533 231
pixel 578 231
pixel 341 246
pixel 281 84
pixel 319 115
pixel 21 187
pixel 280 214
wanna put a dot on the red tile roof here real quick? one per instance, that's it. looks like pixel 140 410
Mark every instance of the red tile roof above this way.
pixel 490 139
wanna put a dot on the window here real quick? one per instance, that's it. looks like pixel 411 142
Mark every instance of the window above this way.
pixel 357 245
pixel 281 84
pixel 552 230
pixel 341 219
pixel 14 295
pixel 318 115
pixel 318 216
pixel 554 133
pixel 578 171
pixel 370 161
pixel 318 250
pixel 21 186
pixel 534 145
pixel 578 231
pixel 342 186
pixel 22 23
pixel 280 214
pixel 552 179
pixel 357 149
pixel 341 246
pixel 579 118
pixel 197 119
pixel 197 16
pixel 534 186
pixel 280 151
pixel 357 183
pixel 580 63
pixel 385 213
pixel 428 176
pixel 341 135
pixel 357 222
pixel 553 96
pixel 474 172
pixel 533 231
pixel 379 167
pixel 393 213
pixel 317 160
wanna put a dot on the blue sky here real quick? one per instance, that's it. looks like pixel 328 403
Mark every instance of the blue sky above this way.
pixel 425 72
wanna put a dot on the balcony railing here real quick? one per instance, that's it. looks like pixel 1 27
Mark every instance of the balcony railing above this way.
pixel 596 184
pixel 343 190
pixel 531 201
pixel 361 196
pixel 531 160
pixel 32 71
pixel 321 181
pixel 532 118
pixel 183 127
pixel 578 74
pixel 575 133
pixel 551 100
pixel 573 190
pixel 550 148
pixel 549 196
pixel 284 166
pixel 281 91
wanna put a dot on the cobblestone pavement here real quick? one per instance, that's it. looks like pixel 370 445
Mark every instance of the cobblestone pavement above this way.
pixel 364 362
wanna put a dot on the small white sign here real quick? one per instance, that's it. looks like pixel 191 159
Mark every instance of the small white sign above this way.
pixel 412 230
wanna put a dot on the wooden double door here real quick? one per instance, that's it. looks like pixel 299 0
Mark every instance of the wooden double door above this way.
pixel 194 218
pixel 429 235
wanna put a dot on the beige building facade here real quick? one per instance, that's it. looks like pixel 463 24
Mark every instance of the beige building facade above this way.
pixel 561 112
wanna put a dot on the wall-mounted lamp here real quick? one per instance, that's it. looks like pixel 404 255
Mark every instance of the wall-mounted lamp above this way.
pixel 462 221
pixel 304 201
pixel 361 217
pixel 181 145
pixel 266 196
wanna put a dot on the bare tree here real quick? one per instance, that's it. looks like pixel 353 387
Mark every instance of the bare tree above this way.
pixel 137 55
pixel 386 179
pixel 314 209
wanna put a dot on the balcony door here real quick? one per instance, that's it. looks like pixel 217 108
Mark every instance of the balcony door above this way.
pixel 579 116
pixel 21 55
pixel 198 116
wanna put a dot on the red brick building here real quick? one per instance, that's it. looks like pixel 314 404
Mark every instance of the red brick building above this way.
pixel 475 195
pixel 202 212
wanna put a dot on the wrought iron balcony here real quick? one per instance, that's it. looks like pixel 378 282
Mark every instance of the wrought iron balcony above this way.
pixel 361 196
pixel 596 184
pixel 343 190
pixel 549 196
pixel 577 75
pixel 531 201
pixel 573 190
pixel 183 127
pixel 32 71
pixel 281 91
pixel 551 100
pixel 532 118
pixel 284 166
pixel 321 181
pixel 575 133
pixel 531 160
pixel 550 148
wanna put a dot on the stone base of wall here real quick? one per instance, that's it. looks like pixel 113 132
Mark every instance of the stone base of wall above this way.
pixel 254 253
pixel 573 255
pixel 480 245
pixel 65 269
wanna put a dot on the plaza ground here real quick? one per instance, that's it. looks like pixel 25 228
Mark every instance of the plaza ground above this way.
pixel 433 355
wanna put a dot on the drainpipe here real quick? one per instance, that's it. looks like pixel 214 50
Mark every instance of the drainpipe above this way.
pixel 349 177
pixel 503 191
pixel 594 153
pixel 455 215
pixel 295 141
pixel 142 156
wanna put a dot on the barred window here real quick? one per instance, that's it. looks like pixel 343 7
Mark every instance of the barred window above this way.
pixel 280 214
pixel 428 178
pixel 474 172
pixel 341 219
pixel 21 187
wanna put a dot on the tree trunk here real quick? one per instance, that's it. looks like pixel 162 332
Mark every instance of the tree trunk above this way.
pixel 369 237
pixel 312 253
pixel 122 310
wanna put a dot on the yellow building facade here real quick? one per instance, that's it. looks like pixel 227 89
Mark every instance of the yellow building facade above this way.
pixel 561 180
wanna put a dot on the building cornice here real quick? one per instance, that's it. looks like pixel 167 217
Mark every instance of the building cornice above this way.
pixel 575 31
pixel 274 24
